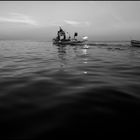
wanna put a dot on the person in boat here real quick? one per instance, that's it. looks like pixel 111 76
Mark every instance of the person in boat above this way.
pixel 75 34
pixel 68 37
pixel 61 33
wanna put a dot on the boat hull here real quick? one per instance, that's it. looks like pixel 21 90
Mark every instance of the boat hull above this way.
pixel 135 43
pixel 69 42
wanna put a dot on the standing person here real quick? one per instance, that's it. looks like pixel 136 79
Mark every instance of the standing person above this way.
pixel 75 34
pixel 59 33
pixel 62 33
pixel 69 38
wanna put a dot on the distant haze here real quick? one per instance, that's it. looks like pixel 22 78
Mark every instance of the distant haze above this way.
pixel 99 20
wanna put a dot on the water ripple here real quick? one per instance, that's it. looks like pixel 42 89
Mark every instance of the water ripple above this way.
pixel 46 89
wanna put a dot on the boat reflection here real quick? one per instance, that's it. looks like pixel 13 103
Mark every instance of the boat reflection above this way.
pixel 81 54
pixel 85 54
pixel 62 55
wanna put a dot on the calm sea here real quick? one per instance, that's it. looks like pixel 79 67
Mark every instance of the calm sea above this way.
pixel 47 89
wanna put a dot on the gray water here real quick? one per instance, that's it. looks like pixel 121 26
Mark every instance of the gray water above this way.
pixel 47 89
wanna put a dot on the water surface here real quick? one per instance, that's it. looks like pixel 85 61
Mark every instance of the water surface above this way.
pixel 48 89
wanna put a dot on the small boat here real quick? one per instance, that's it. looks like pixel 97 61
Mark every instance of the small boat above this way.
pixel 68 42
pixel 62 40
pixel 135 43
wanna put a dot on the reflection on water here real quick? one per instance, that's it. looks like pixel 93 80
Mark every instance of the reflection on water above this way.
pixel 62 55
pixel 85 53
pixel 47 89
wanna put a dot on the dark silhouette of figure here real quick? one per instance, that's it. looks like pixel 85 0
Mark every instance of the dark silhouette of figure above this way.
pixel 75 34
pixel 61 33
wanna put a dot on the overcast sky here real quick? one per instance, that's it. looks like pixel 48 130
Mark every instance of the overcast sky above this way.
pixel 99 20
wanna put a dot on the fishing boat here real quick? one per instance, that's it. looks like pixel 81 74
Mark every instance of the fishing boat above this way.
pixel 62 40
pixel 68 42
pixel 135 43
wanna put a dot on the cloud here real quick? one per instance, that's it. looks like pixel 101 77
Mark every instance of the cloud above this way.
pixel 18 18
pixel 72 22
pixel 77 23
